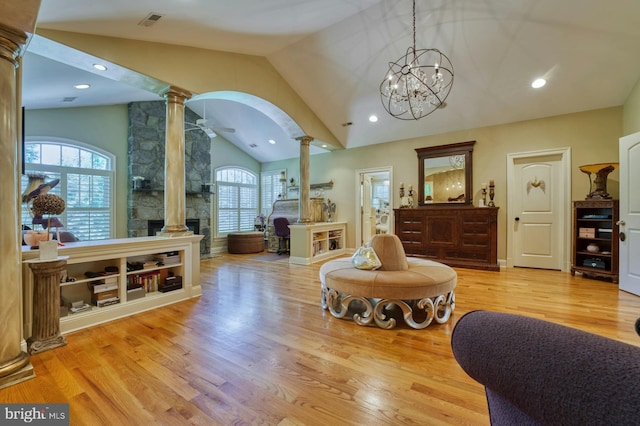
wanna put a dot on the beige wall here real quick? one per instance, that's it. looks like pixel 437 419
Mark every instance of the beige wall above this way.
pixel 592 137
pixel 632 111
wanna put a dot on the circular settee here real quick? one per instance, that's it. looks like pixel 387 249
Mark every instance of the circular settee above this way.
pixel 420 288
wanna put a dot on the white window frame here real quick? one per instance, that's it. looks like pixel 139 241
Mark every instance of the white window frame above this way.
pixel 270 189
pixel 219 191
pixel 63 171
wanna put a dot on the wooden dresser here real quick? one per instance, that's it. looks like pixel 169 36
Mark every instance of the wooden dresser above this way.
pixel 458 236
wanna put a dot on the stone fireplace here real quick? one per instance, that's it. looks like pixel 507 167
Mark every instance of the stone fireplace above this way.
pixel 155 226
pixel 146 161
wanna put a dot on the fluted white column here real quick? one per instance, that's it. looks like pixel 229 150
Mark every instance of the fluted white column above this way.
pixel 14 363
pixel 305 186
pixel 174 166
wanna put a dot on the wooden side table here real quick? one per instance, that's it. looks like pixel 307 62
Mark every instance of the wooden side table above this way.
pixel 46 305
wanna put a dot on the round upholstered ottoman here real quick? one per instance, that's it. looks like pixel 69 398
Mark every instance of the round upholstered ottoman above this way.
pixel 245 242
pixel 422 289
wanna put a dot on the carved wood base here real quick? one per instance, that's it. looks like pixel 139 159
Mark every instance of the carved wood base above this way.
pixel 40 345
pixel 417 313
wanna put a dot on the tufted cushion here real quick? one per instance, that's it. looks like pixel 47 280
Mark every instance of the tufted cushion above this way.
pixel 390 252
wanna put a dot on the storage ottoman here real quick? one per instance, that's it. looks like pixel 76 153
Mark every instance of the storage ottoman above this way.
pixel 245 242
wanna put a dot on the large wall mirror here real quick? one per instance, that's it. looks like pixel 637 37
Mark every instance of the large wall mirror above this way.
pixel 445 174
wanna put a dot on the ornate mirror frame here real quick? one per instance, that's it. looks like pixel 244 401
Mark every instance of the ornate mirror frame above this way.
pixel 457 156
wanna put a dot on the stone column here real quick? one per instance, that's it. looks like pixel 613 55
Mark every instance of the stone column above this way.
pixel 174 166
pixel 14 363
pixel 305 199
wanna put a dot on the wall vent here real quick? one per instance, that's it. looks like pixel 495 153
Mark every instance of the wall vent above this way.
pixel 253 145
pixel 150 19
pixel 69 99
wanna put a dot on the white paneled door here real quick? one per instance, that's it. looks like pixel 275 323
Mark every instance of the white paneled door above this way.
pixel 629 223
pixel 537 210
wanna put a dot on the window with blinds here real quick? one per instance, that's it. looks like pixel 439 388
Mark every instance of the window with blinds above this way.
pixel 86 184
pixel 237 202
pixel 270 189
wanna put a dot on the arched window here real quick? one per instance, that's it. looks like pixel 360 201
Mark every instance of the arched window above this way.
pixel 86 184
pixel 237 195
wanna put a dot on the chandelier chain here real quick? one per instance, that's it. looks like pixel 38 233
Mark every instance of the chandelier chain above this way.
pixel 418 83
pixel 414 25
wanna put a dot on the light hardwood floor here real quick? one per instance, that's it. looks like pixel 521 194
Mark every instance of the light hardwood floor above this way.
pixel 257 348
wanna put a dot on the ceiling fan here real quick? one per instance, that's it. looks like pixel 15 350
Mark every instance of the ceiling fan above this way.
pixel 201 124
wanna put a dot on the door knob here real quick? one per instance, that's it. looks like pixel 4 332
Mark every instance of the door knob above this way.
pixel 622 236
pixel 517 219
pixel 620 223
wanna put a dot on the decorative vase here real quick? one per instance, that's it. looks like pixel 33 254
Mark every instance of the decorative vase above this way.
pixel 593 248
pixel 33 238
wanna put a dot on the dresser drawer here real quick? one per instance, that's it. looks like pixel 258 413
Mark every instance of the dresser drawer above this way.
pixel 475 230
pixel 411 225
pixel 474 218
pixel 471 241
pixel 410 236
pixel 471 255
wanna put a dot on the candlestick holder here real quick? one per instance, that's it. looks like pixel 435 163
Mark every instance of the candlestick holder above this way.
pixel 410 200
pixel 491 195
pixel 484 197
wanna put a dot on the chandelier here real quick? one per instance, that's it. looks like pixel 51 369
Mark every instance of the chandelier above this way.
pixel 418 83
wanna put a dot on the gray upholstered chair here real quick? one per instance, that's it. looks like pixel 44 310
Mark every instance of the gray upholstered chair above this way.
pixel 540 373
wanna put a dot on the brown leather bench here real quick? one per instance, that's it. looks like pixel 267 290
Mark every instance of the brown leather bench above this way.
pixel 416 286
pixel 245 242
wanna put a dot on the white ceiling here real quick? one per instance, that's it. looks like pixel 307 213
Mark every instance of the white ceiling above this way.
pixel 334 53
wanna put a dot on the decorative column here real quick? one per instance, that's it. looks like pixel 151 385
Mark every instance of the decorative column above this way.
pixel 174 167
pixel 305 189
pixel 45 333
pixel 14 363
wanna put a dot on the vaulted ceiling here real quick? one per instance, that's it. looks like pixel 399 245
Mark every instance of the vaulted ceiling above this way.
pixel 335 54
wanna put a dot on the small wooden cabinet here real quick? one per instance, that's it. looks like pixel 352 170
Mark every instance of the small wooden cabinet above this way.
pixel 595 238
pixel 459 236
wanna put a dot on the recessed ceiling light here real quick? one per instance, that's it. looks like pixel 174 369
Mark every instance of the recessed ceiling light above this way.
pixel 272 142
pixel 82 86
pixel 100 67
pixel 538 83
pixel 373 118
pixel 324 145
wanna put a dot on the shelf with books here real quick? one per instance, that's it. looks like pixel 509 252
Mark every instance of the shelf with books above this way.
pixel 315 242
pixel 595 239
pixel 98 275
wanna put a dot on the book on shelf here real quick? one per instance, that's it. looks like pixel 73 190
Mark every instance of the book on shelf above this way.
pixel 98 298
pixel 171 258
pixel 149 264
pixel 107 286
pixel 75 308
pixel 170 284
pixel 147 280
pixel 107 302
